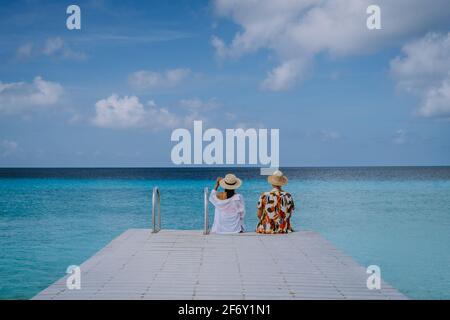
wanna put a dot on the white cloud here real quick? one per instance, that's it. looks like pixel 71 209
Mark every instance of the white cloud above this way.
pixel 57 47
pixel 8 148
pixel 220 46
pixel 199 105
pixel 297 30
pixel 285 75
pixel 17 97
pixel 143 79
pixel 437 101
pixel 53 45
pixel 423 69
pixel 129 112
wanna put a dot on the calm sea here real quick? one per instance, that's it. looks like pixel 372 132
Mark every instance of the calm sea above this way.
pixel 394 217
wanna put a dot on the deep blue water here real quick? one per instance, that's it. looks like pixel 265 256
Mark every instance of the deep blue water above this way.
pixel 395 217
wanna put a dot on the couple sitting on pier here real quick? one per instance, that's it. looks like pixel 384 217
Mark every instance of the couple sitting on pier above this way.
pixel 275 207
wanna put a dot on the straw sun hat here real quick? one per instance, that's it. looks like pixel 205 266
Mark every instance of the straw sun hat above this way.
pixel 277 179
pixel 230 182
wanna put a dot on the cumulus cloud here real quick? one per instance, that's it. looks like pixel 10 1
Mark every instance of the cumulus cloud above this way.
pixel 220 46
pixel 145 79
pixel 423 69
pixel 437 101
pixel 129 112
pixel 297 30
pixel 285 75
pixel 17 97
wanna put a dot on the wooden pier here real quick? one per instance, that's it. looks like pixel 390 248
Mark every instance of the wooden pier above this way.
pixel 176 264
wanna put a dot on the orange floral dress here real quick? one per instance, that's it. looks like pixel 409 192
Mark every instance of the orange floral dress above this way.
pixel 275 209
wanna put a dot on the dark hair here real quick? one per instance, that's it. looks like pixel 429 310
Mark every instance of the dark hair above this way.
pixel 229 193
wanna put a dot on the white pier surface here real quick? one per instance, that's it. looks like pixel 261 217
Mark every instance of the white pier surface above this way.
pixel 174 264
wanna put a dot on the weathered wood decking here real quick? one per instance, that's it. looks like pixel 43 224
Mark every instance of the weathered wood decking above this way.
pixel 174 264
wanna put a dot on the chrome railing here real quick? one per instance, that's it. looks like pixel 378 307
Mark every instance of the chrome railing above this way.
pixel 156 210
pixel 205 211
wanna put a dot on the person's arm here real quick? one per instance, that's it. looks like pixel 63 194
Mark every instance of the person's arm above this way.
pixel 213 195
pixel 216 186
pixel 260 206
pixel 291 211
pixel 292 204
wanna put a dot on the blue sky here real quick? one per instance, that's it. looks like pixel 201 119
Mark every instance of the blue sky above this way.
pixel 111 93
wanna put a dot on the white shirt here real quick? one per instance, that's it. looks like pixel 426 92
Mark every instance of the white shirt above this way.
pixel 228 214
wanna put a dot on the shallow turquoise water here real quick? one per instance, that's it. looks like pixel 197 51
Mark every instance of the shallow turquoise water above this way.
pixel 399 222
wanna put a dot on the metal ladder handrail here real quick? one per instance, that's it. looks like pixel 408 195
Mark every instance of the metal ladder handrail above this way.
pixel 156 205
pixel 156 210
pixel 205 212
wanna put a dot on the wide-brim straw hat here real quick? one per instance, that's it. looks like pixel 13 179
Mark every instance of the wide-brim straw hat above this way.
pixel 230 182
pixel 277 179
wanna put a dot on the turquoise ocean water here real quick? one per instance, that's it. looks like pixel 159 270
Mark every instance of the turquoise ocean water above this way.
pixel 394 217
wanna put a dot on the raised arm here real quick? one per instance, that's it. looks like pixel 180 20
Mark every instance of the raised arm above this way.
pixel 261 205
pixel 213 195
pixel 216 186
